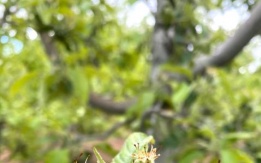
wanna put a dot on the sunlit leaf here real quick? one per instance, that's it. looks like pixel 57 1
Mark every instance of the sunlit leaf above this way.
pixel 54 156
pixel 240 135
pixel 25 80
pixel 235 156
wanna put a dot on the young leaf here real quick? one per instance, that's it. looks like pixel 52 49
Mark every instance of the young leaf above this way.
pixel 98 156
pixel 125 155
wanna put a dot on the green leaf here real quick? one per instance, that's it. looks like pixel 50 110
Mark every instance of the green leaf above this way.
pixel 55 156
pixel 145 101
pixel 124 156
pixel 240 135
pixel 98 156
pixel 22 82
pixel 131 2
pixel 235 156
pixel 191 156
pixel 45 13
pixel 80 83
pixel 188 11
pixel 227 85
pixel 180 95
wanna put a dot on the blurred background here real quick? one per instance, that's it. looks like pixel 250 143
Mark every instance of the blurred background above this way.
pixel 75 74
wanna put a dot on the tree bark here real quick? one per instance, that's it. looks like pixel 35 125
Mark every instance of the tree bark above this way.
pixel 108 105
pixel 162 41
pixel 49 47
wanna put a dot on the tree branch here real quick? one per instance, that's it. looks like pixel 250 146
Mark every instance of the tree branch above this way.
pixel 162 41
pixel 49 47
pixel 232 47
pixel 109 106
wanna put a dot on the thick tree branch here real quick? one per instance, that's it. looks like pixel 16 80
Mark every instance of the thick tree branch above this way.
pixel 47 41
pixel 162 41
pixel 49 47
pixel 232 47
pixel 109 106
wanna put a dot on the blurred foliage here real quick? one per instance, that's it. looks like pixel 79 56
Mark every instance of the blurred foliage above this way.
pixel 43 104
